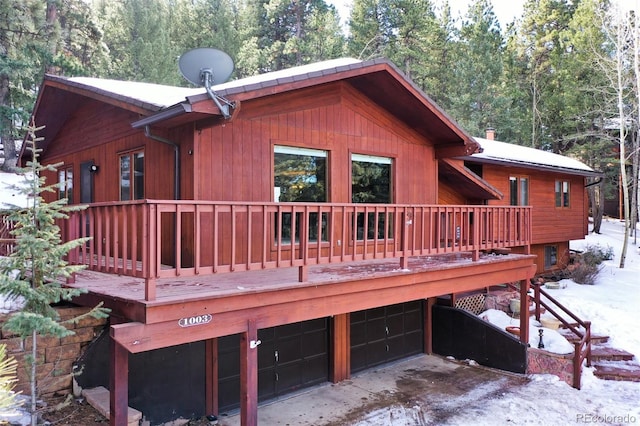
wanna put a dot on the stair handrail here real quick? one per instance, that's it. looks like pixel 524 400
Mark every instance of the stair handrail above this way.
pixel 582 348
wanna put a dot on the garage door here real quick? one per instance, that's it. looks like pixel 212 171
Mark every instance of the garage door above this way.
pixel 386 334
pixel 290 357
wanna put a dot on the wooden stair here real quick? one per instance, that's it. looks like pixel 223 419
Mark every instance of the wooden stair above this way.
pixel 608 363
pixel 629 372
pixel 604 353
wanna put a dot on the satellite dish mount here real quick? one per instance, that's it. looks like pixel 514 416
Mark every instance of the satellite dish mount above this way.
pixel 204 67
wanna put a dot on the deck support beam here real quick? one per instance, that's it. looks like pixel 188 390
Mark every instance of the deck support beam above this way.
pixel 428 325
pixel 341 344
pixel 249 375
pixel 118 385
pixel 211 377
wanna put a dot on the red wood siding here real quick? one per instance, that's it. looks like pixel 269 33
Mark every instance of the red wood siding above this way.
pixel 550 223
pixel 99 135
pixel 235 161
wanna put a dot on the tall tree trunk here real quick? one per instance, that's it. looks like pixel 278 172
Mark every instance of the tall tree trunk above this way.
pixel 623 136
pixel 6 127
pixel 596 195
pixel 51 17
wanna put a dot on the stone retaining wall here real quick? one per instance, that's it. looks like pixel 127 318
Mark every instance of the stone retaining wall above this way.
pixel 55 356
pixel 543 362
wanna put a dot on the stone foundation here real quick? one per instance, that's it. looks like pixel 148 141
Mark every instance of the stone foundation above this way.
pixel 55 356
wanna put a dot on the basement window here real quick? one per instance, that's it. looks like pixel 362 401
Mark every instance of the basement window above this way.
pixel 132 176
pixel 550 256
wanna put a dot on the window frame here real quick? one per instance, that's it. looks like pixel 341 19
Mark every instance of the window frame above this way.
pixel 134 182
pixel 519 190
pixel 550 256
pixel 65 183
pixel 381 220
pixel 562 194
pixel 323 233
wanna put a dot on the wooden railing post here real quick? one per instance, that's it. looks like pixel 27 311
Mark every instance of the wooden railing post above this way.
pixel 150 249
pixel 577 364
pixel 587 336
pixel 536 298
pixel 404 240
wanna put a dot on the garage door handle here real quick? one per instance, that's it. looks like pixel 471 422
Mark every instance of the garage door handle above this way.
pixel 276 355
pixel 386 329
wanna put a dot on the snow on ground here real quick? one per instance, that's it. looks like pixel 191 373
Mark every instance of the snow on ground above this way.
pixel 611 305
pixel 9 194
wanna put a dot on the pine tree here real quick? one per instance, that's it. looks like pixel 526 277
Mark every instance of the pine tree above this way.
pixel 36 269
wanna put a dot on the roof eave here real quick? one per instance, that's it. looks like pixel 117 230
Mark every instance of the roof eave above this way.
pixel 164 115
pixel 534 166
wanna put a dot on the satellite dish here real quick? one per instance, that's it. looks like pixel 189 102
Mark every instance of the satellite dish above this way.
pixel 205 67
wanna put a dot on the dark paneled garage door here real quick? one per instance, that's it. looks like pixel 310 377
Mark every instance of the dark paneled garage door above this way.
pixel 386 334
pixel 290 357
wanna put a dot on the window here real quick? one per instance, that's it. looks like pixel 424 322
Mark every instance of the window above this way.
pixel 371 183
pixel 300 175
pixel 519 191
pixel 132 176
pixel 550 256
pixel 562 193
pixel 65 184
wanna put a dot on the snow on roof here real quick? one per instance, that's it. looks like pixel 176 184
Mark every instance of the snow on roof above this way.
pixel 165 96
pixel 528 157
pixel 155 94
pixel 288 73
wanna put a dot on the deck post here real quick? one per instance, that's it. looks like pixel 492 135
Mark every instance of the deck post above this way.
pixel 118 385
pixel 211 376
pixel 341 356
pixel 428 325
pixel 249 375
pixel 524 311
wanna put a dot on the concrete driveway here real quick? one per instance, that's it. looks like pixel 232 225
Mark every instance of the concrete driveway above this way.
pixel 424 390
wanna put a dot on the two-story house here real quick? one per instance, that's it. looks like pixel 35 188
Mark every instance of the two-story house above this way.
pixel 301 239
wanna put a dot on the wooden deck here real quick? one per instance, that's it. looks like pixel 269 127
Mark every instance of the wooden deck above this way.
pixel 275 296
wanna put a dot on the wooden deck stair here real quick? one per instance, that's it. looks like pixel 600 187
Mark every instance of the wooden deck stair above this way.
pixel 609 363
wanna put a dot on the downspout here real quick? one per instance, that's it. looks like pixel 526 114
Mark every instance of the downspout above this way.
pixel 176 166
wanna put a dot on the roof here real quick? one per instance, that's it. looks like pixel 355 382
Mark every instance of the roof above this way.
pixel 503 153
pixel 168 106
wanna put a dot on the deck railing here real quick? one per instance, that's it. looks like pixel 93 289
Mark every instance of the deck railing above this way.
pixel 153 239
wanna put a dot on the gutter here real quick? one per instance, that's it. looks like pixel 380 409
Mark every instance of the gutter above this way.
pixel 176 152
pixel 162 116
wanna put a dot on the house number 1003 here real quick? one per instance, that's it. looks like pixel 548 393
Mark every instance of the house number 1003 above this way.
pixel 195 320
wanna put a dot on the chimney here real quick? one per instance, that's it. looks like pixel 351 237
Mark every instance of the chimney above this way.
pixel 491 133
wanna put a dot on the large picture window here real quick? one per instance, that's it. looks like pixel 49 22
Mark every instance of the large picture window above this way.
pixel 371 183
pixel 562 193
pixel 300 175
pixel 519 191
pixel 132 176
pixel 65 184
